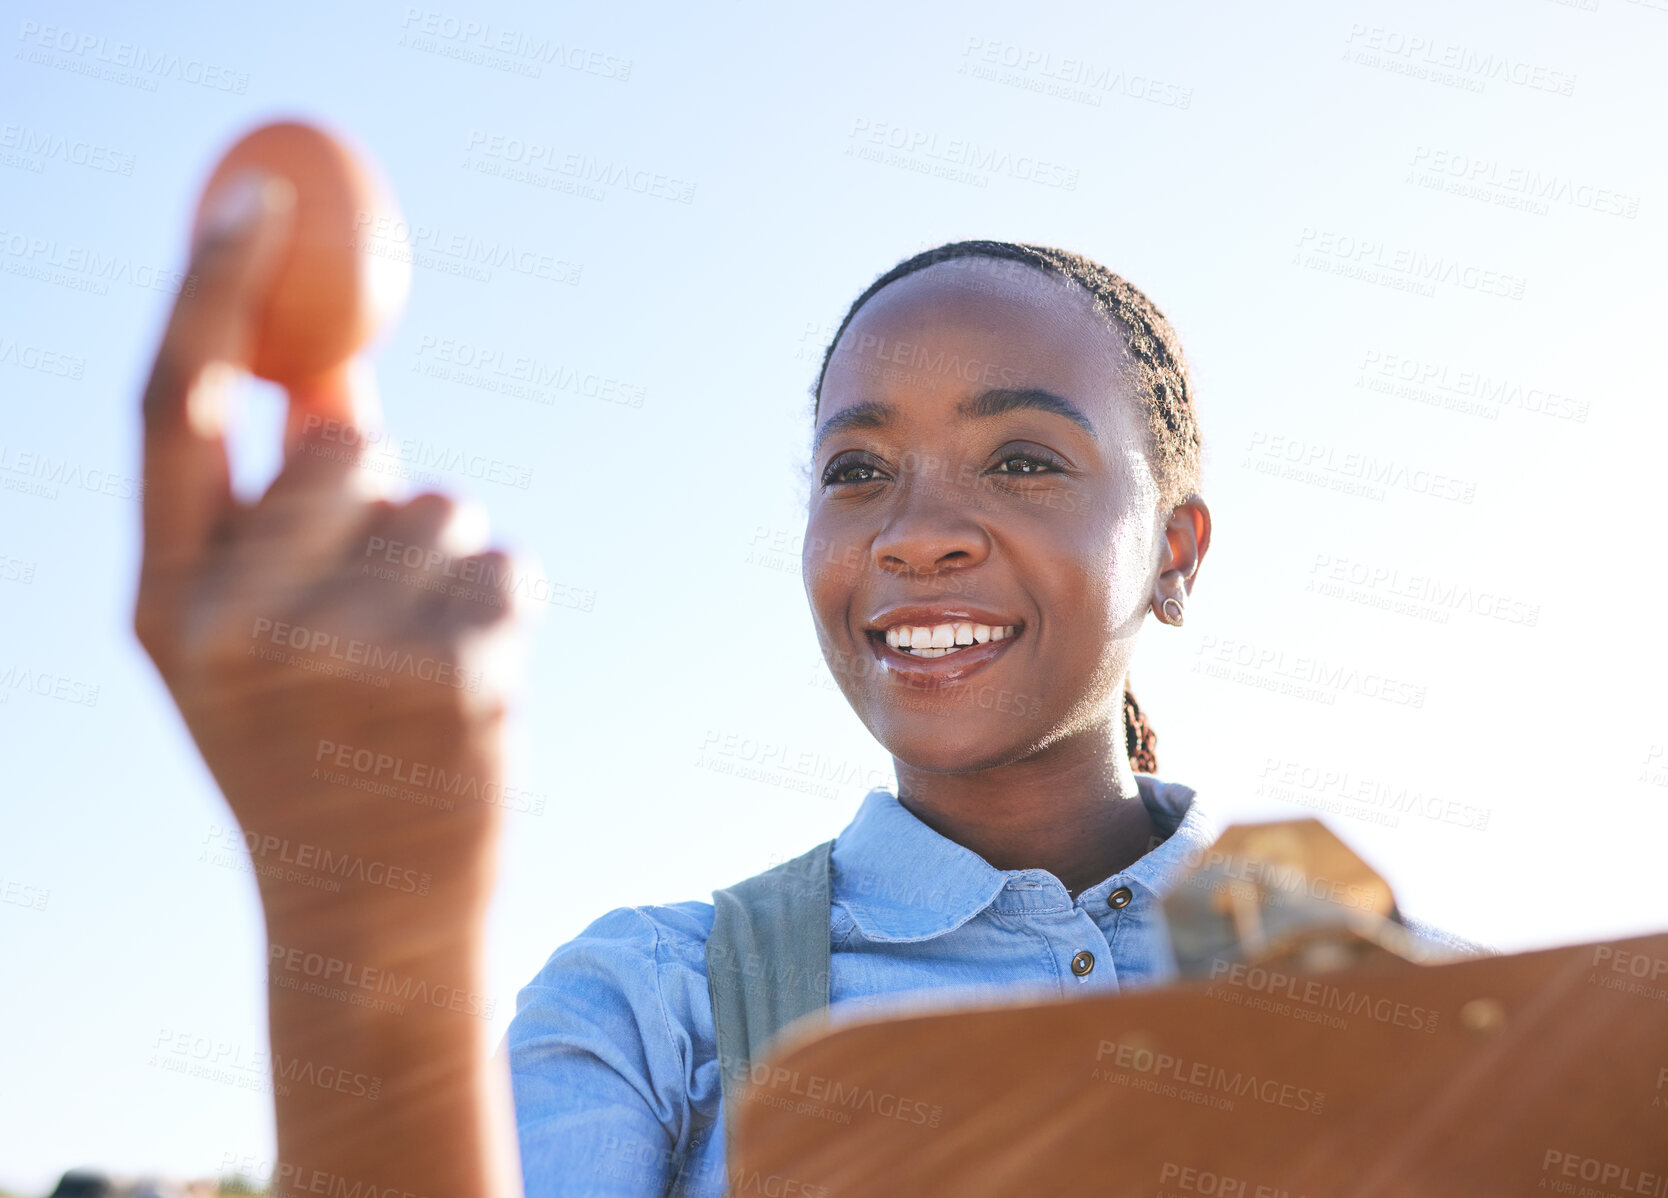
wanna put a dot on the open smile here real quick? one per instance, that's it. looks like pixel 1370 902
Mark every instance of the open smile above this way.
pixel 941 640
pixel 939 648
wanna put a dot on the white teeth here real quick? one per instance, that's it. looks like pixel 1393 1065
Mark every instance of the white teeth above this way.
pixel 938 639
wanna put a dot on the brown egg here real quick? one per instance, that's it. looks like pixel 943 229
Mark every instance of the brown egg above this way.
pixel 348 266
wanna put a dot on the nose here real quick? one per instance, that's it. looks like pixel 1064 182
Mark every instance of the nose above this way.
pixel 928 532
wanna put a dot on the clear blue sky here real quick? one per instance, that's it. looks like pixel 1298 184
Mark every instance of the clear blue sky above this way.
pixel 1415 251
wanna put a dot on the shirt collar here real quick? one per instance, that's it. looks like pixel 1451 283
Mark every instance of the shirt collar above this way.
pixel 903 883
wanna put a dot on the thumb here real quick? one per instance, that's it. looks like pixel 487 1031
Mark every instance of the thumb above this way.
pixel 203 353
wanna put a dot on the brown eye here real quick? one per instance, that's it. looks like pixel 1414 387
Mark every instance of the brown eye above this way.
pixel 1026 463
pixel 860 473
pixel 846 470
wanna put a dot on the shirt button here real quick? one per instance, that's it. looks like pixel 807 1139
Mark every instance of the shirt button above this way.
pixel 1083 962
pixel 1119 898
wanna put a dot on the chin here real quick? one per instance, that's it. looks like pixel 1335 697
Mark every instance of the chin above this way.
pixel 953 742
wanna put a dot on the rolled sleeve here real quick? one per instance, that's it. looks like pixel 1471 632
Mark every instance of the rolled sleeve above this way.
pixel 602 1065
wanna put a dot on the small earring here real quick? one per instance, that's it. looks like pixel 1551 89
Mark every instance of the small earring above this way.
pixel 1175 617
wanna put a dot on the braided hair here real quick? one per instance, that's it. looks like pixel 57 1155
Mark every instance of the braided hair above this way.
pixel 1160 376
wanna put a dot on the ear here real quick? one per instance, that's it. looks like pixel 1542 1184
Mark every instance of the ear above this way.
pixel 1181 549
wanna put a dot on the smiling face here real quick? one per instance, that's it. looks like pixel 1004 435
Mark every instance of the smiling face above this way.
pixel 984 530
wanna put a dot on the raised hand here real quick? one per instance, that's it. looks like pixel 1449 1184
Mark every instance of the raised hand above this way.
pixel 351 707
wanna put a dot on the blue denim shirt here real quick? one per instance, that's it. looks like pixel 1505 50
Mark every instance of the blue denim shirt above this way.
pixel 612 1050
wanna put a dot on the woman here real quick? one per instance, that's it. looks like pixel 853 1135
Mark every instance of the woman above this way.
pixel 1005 483
pixel 1006 465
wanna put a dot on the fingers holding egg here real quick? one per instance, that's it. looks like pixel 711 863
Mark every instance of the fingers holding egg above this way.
pixel 344 275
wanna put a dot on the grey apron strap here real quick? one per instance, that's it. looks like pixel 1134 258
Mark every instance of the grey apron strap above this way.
pixel 767 960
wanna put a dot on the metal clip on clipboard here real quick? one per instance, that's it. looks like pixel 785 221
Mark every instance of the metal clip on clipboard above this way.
pixel 1289 896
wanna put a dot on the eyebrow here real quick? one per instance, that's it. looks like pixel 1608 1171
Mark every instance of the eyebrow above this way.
pixel 983 406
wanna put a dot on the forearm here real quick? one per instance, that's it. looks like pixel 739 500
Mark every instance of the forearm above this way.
pixel 384 1077
pixel 374 908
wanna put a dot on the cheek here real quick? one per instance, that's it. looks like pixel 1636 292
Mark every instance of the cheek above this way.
pixel 830 565
pixel 1107 587
pixel 1129 571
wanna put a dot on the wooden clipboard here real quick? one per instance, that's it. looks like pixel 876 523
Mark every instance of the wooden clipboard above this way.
pixel 1540 1073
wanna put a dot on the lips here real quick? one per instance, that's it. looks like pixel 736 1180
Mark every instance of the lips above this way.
pixel 933 646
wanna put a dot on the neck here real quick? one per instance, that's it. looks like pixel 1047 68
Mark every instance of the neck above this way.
pixel 1073 809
